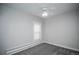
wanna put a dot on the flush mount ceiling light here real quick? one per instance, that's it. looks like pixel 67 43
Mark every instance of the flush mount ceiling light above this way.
pixel 45 11
pixel 44 14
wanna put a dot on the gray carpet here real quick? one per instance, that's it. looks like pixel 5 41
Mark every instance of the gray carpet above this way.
pixel 47 49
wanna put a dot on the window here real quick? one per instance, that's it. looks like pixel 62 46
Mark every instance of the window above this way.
pixel 37 31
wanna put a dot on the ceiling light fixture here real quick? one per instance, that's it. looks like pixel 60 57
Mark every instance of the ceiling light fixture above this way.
pixel 44 14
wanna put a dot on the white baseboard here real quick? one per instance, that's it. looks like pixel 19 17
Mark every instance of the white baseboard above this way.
pixel 62 46
pixel 23 47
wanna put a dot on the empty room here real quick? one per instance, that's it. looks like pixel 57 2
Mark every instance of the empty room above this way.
pixel 39 29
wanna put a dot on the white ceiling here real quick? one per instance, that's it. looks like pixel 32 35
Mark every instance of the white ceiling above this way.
pixel 36 8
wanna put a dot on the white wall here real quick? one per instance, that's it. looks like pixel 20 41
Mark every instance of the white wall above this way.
pixel 17 29
pixel 63 30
